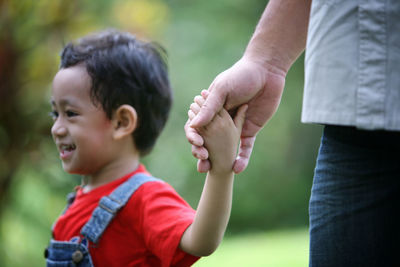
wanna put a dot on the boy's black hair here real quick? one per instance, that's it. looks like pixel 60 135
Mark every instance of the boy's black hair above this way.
pixel 125 70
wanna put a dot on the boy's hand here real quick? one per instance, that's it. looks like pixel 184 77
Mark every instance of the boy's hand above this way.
pixel 221 136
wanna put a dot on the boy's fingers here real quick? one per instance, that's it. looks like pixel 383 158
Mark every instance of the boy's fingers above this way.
pixel 203 165
pixel 245 149
pixel 191 115
pixel 223 113
pixel 240 117
pixel 195 108
pixel 199 100
pixel 205 93
pixel 214 102
pixel 192 135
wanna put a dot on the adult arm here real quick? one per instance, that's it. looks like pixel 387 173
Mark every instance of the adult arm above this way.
pixel 257 79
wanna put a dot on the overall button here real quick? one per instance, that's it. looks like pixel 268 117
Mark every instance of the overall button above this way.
pixel 77 256
pixel 46 253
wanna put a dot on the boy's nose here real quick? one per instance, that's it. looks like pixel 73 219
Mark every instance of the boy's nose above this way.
pixel 58 129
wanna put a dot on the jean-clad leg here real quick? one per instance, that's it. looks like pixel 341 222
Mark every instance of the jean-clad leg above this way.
pixel 354 201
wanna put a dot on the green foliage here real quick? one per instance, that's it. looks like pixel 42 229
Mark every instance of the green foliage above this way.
pixel 282 248
pixel 202 38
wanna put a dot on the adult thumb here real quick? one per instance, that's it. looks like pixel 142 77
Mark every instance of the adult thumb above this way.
pixel 211 106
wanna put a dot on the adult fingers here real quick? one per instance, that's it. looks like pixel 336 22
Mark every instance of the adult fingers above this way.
pixel 245 149
pixel 203 165
pixel 199 152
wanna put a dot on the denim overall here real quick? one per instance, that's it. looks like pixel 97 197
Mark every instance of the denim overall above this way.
pixel 75 252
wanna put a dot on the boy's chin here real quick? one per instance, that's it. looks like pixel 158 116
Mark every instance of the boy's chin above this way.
pixel 70 169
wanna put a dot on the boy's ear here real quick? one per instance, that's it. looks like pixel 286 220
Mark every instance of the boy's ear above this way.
pixel 124 121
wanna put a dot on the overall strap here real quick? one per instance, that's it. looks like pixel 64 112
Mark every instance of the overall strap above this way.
pixel 111 204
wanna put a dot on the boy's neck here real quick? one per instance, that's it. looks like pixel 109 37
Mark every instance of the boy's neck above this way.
pixel 111 172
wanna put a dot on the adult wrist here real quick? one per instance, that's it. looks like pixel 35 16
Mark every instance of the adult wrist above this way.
pixel 269 61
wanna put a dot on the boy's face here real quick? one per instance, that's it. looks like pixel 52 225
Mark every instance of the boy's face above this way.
pixel 81 130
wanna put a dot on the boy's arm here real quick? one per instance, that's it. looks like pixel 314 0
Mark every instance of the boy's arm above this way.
pixel 221 137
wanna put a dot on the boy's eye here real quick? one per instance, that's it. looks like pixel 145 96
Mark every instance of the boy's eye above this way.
pixel 70 113
pixel 53 114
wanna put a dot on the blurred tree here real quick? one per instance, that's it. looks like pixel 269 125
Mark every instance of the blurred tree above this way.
pixel 8 132
pixel 14 122
pixel 24 69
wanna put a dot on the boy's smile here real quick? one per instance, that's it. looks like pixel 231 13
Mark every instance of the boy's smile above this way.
pixel 66 150
pixel 81 130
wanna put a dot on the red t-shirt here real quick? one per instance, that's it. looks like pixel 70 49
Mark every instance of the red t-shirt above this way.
pixel 146 232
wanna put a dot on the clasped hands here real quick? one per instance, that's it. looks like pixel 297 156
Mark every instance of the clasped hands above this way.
pixel 249 82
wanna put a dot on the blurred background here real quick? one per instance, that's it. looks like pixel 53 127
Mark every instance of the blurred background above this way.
pixel 268 225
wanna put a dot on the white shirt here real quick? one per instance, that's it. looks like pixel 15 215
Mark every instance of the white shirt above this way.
pixel 352 64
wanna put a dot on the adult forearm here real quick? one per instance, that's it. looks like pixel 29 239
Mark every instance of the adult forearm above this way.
pixel 212 216
pixel 280 36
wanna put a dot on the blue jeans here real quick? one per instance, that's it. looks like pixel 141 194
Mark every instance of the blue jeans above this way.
pixel 355 199
pixel 68 254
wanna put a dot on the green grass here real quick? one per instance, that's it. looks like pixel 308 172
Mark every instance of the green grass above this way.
pixel 276 248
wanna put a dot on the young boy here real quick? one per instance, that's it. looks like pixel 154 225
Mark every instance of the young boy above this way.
pixel 110 100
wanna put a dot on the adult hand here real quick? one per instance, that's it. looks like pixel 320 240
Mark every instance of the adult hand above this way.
pixel 250 81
